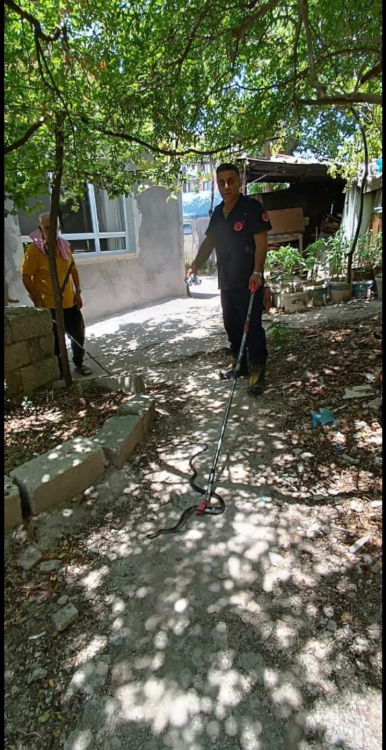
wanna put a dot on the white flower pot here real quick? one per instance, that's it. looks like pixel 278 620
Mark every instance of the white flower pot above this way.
pixel 295 301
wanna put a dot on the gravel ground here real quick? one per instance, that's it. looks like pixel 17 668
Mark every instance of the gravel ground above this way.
pixel 256 630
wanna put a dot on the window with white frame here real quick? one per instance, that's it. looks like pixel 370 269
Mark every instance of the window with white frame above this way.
pixel 99 226
pixel 207 184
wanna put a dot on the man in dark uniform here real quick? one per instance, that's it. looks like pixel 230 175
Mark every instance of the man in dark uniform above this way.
pixel 238 230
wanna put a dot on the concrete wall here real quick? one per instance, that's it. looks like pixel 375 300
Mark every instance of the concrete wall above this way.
pixel 113 284
pixel 193 241
pixel 29 361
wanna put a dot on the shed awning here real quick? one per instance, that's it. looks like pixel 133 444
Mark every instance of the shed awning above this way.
pixel 286 169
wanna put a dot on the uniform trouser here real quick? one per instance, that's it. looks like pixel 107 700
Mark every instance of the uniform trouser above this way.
pixel 234 304
pixel 74 325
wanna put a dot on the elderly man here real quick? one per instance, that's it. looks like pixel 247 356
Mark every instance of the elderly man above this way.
pixel 36 279
pixel 238 230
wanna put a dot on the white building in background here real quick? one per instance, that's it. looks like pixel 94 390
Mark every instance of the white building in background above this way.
pixel 129 251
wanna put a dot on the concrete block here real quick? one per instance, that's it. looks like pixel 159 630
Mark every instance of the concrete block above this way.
pixel 35 351
pixel 119 436
pixel 7 332
pixel 15 356
pixel 124 382
pixel 47 344
pixel 12 505
pixel 141 406
pixel 28 322
pixel 42 373
pixel 13 384
pixel 60 474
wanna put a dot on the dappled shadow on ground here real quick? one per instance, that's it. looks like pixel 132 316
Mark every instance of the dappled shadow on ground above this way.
pixel 242 633
pixel 161 332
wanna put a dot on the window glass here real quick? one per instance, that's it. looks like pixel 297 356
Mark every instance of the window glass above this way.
pixel 82 246
pixel 187 228
pixel 76 222
pixel 111 215
pixel 113 243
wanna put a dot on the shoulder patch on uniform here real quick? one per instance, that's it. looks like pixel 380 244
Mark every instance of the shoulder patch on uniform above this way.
pixel 265 217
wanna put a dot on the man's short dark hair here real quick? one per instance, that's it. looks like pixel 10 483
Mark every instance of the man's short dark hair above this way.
pixel 227 168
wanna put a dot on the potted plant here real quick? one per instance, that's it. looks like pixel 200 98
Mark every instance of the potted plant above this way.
pixel 290 263
pixel 316 289
pixel 337 248
pixel 273 278
pixel 369 255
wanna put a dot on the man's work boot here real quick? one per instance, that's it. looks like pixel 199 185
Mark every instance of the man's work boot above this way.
pixel 257 378
pixel 229 372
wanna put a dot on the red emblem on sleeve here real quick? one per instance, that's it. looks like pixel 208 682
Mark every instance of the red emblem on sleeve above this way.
pixel 265 217
pixel 238 226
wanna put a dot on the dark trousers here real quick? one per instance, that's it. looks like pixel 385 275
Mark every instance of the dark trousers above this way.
pixel 74 325
pixel 234 304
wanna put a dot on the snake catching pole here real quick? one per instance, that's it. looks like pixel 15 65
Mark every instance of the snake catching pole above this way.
pixel 206 507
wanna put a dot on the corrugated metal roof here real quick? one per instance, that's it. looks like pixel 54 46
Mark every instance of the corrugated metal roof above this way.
pixel 283 168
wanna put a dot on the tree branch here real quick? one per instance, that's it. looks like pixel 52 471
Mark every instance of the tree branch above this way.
pixel 343 100
pixel 21 141
pixel 239 31
pixel 33 21
pixel 313 77
pixel 376 70
pixel 150 147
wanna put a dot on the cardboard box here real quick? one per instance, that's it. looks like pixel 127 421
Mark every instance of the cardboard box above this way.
pixel 286 221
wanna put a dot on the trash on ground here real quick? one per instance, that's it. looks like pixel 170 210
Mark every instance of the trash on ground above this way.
pixel 359 543
pixel 322 416
pixel 34 637
pixel 358 391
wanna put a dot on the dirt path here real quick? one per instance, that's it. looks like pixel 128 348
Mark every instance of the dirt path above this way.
pixel 258 630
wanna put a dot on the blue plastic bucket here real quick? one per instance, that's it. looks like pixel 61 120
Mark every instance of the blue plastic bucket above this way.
pixel 362 289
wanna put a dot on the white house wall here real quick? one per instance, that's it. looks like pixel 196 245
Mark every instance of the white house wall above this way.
pixel 113 284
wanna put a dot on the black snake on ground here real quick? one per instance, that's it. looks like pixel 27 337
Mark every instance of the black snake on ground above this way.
pixel 208 510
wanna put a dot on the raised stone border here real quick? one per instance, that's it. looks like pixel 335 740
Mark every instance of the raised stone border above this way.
pixel 12 505
pixel 69 469
pixel 121 434
pixel 59 474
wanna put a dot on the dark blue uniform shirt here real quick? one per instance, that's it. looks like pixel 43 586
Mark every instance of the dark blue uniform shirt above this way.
pixel 234 240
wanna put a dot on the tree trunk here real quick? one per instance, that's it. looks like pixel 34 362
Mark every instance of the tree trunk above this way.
pixel 350 255
pixel 55 198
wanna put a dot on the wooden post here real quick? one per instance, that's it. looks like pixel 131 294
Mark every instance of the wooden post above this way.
pixel 54 212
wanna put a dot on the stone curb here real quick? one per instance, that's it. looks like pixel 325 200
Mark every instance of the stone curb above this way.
pixel 59 475
pixel 121 434
pixel 69 469
pixel 123 382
